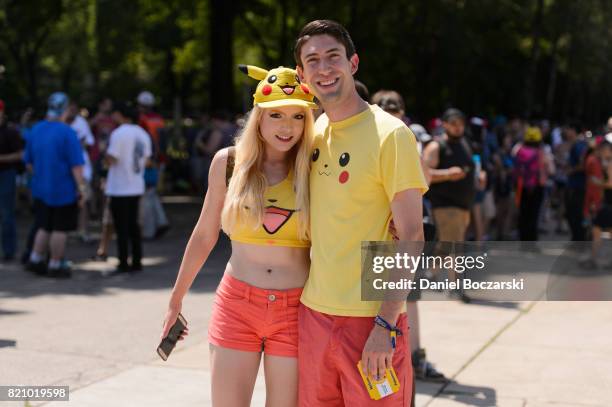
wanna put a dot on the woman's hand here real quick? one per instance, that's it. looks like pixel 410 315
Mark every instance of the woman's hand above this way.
pixel 171 316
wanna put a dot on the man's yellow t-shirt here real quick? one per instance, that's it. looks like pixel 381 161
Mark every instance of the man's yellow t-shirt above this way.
pixel 358 165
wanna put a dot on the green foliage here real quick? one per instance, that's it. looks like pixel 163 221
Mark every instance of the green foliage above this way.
pixel 530 57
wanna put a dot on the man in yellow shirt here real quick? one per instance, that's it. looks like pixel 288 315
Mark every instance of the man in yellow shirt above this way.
pixel 365 170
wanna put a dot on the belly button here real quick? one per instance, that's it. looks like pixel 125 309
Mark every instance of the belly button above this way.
pixel 269 270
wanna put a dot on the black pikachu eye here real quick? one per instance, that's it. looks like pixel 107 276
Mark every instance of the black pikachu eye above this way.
pixel 344 159
pixel 315 155
pixel 297 79
pixel 272 79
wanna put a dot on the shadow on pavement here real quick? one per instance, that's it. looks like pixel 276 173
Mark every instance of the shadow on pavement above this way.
pixel 497 304
pixel 5 312
pixel 468 395
pixel 161 261
pixel 7 343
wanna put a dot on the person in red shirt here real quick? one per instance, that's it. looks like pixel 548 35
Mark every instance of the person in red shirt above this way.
pixel 594 194
pixel 602 220
pixel 148 119
pixel 154 220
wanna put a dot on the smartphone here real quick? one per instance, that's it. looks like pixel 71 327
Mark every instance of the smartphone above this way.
pixel 169 342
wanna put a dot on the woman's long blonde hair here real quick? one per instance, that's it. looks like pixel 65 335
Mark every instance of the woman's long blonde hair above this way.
pixel 244 201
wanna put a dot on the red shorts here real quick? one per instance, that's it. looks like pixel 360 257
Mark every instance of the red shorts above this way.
pixel 255 319
pixel 329 349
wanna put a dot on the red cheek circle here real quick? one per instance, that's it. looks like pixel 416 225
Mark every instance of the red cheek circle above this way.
pixel 305 88
pixel 266 90
pixel 344 176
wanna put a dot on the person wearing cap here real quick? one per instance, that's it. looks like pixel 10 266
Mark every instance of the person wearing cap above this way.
pixel 365 170
pixel 452 168
pixel 530 174
pixel 153 217
pixel 54 154
pixel 258 194
pixel 422 136
pixel 148 119
pixel 11 152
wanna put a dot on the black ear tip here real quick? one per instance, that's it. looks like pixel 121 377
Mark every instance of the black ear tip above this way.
pixel 243 69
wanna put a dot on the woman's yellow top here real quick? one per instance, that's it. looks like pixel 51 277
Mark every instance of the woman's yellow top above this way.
pixel 280 223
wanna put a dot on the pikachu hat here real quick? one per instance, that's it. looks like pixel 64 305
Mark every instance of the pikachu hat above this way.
pixel 279 87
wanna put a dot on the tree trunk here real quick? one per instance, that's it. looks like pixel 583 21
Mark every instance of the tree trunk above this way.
pixel 552 81
pixel 92 42
pixel 535 55
pixel 171 81
pixel 221 81
pixel 568 103
pixel 283 43
pixel 32 79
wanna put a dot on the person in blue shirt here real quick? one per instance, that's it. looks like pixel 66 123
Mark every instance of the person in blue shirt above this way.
pixel 54 155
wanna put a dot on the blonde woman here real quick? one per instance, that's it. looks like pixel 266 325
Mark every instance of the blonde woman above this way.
pixel 264 208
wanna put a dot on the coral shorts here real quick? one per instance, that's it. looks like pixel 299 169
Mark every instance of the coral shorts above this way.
pixel 253 319
pixel 330 347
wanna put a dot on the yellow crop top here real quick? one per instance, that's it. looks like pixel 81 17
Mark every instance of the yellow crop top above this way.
pixel 280 225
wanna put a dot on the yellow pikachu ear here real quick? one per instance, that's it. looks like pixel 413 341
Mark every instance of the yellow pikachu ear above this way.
pixel 253 71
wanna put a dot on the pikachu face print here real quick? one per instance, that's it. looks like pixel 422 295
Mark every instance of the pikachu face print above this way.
pixel 332 167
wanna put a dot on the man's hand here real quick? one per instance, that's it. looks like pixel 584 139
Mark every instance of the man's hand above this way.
pixel 109 160
pixel 83 196
pixel 377 353
pixel 455 173
pixel 482 180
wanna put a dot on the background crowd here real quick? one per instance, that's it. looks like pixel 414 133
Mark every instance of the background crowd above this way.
pixel 492 178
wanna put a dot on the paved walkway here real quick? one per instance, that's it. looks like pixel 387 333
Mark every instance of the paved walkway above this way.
pixel 98 335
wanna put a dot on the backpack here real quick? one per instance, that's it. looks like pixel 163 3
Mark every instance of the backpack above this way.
pixel 447 152
pixel 527 167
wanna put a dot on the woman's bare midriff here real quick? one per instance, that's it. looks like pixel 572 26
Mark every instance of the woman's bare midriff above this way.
pixel 276 268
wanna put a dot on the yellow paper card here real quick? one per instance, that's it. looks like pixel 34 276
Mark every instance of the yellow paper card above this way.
pixel 378 389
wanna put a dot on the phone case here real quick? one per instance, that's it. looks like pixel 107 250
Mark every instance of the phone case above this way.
pixel 169 342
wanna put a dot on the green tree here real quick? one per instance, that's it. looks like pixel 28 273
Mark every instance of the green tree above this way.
pixel 25 26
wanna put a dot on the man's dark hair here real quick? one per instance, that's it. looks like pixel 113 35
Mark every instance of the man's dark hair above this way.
pixel 323 27
pixel 127 110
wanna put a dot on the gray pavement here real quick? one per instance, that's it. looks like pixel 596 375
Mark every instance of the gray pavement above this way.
pixel 98 335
